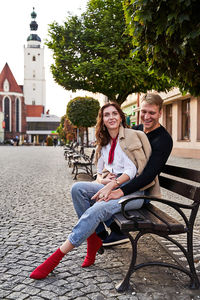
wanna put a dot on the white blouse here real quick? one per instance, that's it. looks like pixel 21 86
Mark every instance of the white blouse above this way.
pixel 121 163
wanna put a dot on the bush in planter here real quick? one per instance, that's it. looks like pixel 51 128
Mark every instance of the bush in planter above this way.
pixel 49 141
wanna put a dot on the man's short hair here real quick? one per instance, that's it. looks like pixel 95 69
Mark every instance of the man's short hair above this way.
pixel 153 98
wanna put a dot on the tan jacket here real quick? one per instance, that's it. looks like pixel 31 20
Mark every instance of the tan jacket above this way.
pixel 137 147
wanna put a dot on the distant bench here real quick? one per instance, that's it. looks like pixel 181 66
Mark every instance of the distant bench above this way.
pixel 84 163
pixel 150 219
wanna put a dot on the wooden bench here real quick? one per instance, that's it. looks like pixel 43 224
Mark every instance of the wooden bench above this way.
pixel 69 154
pixel 85 164
pixel 68 148
pixel 152 220
pixel 76 157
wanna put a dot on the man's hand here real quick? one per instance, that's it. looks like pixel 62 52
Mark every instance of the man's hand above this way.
pixel 116 194
pixel 103 193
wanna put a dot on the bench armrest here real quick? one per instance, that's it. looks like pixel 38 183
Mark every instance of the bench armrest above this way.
pixel 176 205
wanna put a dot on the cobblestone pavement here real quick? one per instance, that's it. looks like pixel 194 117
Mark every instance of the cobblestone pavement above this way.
pixel 36 215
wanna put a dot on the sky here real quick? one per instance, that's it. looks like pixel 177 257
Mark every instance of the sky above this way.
pixel 15 19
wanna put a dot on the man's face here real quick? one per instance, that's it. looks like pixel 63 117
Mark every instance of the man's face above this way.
pixel 150 115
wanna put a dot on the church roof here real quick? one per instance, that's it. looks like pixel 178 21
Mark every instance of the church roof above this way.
pixel 7 74
pixel 33 37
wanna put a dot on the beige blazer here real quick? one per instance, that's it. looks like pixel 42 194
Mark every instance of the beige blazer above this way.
pixel 137 147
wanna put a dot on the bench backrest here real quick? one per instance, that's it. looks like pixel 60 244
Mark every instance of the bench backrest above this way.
pixel 82 150
pixel 176 185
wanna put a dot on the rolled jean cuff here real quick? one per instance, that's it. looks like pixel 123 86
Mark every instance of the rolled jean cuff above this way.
pixel 72 241
pixel 80 241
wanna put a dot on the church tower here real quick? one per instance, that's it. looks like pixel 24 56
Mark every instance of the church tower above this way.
pixel 34 72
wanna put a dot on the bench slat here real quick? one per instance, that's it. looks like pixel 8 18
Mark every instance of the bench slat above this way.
pixel 153 219
pixel 156 223
pixel 185 173
pixel 173 225
pixel 127 225
pixel 181 188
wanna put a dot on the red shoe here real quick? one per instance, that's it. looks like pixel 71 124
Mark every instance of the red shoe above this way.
pixel 94 243
pixel 48 265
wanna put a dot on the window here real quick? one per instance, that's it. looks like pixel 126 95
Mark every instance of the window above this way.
pixel 133 112
pixel 185 119
pixel 7 113
pixel 34 58
pixel 33 102
pixel 6 85
pixel 43 125
pixel 169 118
pixel 17 115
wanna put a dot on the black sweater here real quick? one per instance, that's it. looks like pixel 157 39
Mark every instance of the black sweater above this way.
pixel 161 145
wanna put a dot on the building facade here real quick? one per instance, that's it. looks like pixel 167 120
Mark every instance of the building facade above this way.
pixel 180 118
pixel 23 107
pixel 34 72
pixel 12 105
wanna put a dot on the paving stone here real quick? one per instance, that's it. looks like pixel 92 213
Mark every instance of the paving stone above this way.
pixel 95 296
pixel 19 287
pixel 17 296
pixel 4 293
pixel 74 294
pixel 31 290
pixel 47 295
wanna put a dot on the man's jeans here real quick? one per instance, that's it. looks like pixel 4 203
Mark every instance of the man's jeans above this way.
pixel 91 213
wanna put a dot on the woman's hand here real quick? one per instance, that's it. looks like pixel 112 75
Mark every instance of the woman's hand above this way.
pixel 103 193
pixel 108 178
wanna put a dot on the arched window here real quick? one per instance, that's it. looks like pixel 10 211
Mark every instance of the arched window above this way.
pixel 34 58
pixel 7 113
pixel 17 114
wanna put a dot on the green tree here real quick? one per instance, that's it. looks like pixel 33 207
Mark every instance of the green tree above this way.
pixel 92 53
pixel 82 112
pixel 60 130
pixel 169 33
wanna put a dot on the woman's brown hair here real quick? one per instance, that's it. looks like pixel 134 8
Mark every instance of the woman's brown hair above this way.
pixel 101 132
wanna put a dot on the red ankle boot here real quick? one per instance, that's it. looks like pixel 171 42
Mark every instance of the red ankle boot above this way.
pixel 47 266
pixel 94 243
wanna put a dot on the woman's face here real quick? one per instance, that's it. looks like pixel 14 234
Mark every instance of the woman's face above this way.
pixel 111 118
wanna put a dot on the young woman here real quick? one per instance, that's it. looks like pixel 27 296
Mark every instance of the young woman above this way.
pixel 123 154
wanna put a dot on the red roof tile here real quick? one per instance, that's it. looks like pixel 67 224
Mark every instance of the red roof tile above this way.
pixel 7 74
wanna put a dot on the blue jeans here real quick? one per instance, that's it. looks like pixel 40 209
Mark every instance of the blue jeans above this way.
pixel 91 213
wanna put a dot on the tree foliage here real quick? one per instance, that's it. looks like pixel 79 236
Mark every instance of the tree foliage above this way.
pixel 169 33
pixel 92 53
pixel 61 130
pixel 83 111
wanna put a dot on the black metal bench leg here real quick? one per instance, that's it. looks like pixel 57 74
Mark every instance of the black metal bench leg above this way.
pixel 73 169
pixel 125 283
pixel 76 173
pixel 194 283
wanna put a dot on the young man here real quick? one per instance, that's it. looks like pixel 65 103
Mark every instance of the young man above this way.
pixel 161 144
